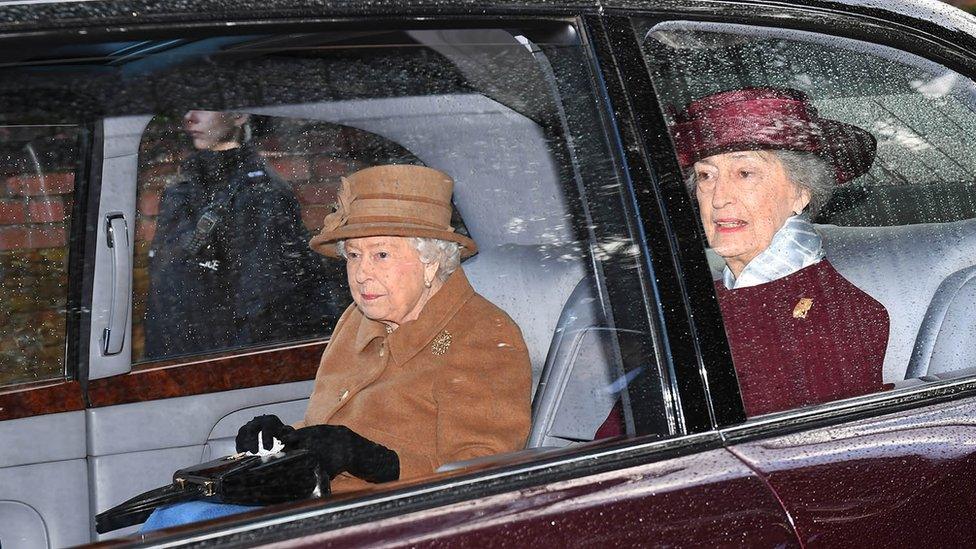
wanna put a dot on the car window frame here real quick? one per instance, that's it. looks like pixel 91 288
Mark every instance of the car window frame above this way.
pixel 65 393
pixel 857 24
pixel 570 463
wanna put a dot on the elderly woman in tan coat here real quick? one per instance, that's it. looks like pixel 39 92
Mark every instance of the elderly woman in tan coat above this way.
pixel 421 370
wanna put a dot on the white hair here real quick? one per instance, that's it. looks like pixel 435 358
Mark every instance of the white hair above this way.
pixel 806 170
pixel 445 252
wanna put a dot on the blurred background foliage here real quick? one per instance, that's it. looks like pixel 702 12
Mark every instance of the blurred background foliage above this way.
pixel 968 5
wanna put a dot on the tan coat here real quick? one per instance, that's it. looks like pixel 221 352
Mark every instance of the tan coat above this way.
pixel 451 385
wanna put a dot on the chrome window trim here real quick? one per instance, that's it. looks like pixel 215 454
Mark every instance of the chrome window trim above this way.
pixel 920 392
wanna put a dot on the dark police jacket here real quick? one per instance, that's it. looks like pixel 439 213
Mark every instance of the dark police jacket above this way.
pixel 255 280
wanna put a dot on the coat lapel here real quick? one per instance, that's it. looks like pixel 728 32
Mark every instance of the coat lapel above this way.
pixel 415 336
pixel 358 365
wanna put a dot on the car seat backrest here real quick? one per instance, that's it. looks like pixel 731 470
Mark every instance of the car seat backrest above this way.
pixel 945 339
pixel 906 268
pixel 531 284
pixel 577 391
pixel 548 293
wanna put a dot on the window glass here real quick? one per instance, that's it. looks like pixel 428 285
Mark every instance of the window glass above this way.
pixel 917 110
pixel 296 294
pixel 38 164
pixel 537 202
pixel 834 183
pixel 236 151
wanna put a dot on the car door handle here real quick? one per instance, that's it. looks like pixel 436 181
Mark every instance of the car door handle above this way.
pixel 117 238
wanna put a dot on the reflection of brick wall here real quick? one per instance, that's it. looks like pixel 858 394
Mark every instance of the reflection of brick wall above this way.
pixel 36 182
pixel 34 211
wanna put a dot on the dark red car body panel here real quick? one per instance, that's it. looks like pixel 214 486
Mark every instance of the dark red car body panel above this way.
pixel 901 480
pixel 704 499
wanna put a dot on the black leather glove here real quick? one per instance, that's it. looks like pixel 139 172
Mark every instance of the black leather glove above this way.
pixel 341 450
pixel 271 427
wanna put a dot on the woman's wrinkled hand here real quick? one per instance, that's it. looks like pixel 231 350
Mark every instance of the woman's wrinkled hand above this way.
pixel 271 428
pixel 339 450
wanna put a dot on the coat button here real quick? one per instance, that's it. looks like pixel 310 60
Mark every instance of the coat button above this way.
pixel 344 394
pixel 383 350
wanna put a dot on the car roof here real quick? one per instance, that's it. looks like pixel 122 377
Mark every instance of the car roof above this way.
pixel 953 29
pixel 40 14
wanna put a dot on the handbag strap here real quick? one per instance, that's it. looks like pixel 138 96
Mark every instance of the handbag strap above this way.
pixel 136 510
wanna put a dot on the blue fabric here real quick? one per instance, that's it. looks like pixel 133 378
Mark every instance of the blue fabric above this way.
pixel 191 511
pixel 796 245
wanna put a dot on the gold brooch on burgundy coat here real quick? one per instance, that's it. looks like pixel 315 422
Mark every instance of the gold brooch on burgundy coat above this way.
pixel 802 307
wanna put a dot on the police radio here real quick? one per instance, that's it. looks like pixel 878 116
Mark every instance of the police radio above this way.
pixel 202 234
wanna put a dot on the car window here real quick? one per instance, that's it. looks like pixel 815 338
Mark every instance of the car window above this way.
pixel 39 164
pixel 860 281
pixel 515 116
pixel 916 109
pixel 184 314
pixel 445 101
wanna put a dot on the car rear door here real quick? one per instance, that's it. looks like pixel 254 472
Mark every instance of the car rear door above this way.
pixel 145 418
pixel 43 472
pixel 894 467
pixel 666 479
pixel 149 416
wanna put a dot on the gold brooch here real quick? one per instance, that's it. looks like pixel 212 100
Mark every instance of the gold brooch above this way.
pixel 441 343
pixel 802 307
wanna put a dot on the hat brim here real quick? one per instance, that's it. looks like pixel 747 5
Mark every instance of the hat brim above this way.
pixel 850 150
pixel 325 243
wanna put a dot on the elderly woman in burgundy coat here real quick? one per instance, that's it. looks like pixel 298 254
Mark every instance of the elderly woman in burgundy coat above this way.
pixel 761 162
pixel 420 370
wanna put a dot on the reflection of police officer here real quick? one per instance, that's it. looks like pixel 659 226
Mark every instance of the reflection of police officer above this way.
pixel 230 264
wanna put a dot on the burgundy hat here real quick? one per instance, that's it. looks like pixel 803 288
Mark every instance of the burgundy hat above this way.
pixel 750 119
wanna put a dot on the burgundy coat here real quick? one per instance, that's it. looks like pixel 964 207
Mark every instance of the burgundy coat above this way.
pixel 807 338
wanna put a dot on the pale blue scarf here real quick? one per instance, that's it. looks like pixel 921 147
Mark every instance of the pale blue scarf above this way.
pixel 795 245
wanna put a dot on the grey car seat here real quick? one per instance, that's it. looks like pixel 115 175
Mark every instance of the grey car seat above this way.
pixel 945 339
pixel 546 291
pixel 906 268
pixel 530 283
pixel 577 390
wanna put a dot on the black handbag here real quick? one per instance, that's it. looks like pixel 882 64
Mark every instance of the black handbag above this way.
pixel 238 479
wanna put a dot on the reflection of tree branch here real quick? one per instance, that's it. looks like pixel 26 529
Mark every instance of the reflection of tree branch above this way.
pixel 619 247
pixel 970 173
pixel 889 172
pixel 925 138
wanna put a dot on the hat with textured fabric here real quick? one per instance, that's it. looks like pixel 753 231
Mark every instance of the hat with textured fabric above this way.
pixel 394 200
pixel 751 119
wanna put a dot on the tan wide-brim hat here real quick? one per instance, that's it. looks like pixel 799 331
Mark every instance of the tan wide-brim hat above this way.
pixel 394 200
